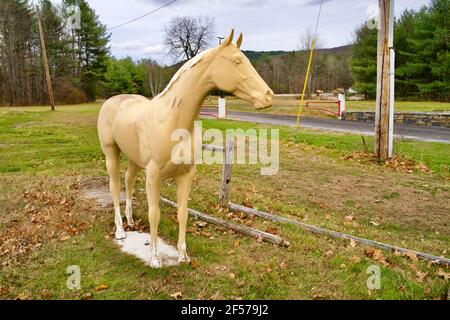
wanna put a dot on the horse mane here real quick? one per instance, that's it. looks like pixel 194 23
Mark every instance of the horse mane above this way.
pixel 188 65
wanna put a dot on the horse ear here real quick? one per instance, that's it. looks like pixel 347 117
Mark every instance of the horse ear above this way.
pixel 228 40
pixel 239 41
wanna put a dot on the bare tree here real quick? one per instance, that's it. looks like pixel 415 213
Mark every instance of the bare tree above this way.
pixel 154 79
pixel 187 36
pixel 306 40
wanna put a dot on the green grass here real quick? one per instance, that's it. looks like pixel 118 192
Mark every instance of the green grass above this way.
pixel 434 155
pixel 49 152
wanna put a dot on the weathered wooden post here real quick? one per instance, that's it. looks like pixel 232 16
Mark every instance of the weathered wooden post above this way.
pixel 228 157
pixel 384 111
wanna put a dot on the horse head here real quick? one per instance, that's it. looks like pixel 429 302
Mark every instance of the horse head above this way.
pixel 231 71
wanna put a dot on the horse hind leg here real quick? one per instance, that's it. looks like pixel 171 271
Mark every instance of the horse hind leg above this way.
pixel 130 179
pixel 112 165
pixel 184 184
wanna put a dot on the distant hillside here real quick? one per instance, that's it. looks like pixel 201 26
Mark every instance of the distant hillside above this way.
pixel 338 50
pixel 255 55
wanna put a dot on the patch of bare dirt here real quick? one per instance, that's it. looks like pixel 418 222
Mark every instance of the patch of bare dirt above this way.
pixel 96 190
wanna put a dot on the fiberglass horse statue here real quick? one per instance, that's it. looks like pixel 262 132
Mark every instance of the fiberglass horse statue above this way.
pixel 142 128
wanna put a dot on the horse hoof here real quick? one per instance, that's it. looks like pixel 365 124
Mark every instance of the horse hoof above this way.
pixel 120 234
pixel 155 263
pixel 184 259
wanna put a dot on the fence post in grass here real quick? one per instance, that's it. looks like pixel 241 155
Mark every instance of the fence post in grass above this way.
pixel 341 98
pixel 222 108
pixel 226 171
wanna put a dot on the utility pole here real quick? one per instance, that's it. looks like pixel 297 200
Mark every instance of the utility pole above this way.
pixel 45 62
pixel 384 112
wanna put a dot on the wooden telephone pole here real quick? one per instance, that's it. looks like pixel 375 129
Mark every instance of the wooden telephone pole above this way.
pixel 45 62
pixel 384 113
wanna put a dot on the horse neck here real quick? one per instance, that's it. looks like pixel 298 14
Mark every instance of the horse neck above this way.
pixel 186 96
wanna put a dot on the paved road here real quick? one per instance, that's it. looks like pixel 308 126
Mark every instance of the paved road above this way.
pixel 420 133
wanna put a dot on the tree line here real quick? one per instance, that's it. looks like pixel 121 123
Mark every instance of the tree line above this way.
pixel 77 57
pixel 422 46
pixel 285 73
pixel 82 68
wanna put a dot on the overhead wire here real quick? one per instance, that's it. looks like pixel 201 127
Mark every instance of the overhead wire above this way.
pixel 143 16
pixel 313 43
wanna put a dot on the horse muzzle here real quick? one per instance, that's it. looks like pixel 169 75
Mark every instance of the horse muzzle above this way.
pixel 264 101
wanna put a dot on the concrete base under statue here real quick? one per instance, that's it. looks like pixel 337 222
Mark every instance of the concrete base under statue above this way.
pixel 138 244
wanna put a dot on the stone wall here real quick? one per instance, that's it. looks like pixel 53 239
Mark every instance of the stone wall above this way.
pixel 413 118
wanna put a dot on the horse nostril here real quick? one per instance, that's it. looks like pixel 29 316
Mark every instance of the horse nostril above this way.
pixel 269 95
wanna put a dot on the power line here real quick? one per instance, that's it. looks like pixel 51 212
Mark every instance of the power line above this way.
pixel 305 84
pixel 318 19
pixel 143 16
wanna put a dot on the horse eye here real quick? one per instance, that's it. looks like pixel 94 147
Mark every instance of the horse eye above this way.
pixel 237 61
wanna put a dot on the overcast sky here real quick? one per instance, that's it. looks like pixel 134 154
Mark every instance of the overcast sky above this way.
pixel 267 25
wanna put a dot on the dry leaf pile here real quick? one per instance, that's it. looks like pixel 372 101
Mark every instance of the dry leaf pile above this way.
pixel 41 216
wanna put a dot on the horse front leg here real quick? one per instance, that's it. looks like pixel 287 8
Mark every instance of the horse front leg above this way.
pixel 153 186
pixel 184 183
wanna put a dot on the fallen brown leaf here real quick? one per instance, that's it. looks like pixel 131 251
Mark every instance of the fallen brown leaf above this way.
pixel 411 255
pixel 350 217
pixel 215 296
pixel 413 266
pixel 87 296
pixel 64 238
pixel 377 255
pixel 177 295
pixel 46 294
pixel 421 276
pixel 22 296
pixel 329 254
pixel 194 263
pixel 441 273
pixel 272 230
pixel 101 287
